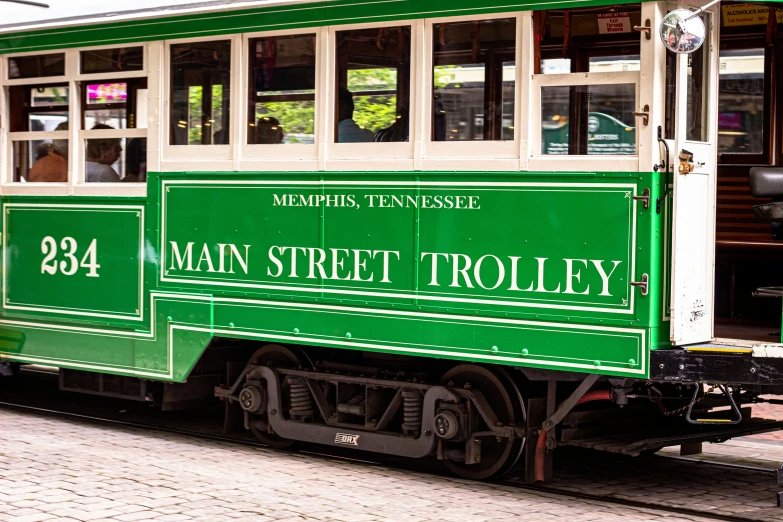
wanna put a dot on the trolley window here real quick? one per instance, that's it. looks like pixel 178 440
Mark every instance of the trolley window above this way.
pixel 743 112
pixel 200 93
pixel 115 115
pixel 281 105
pixel 588 65
pixel 605 123
pixel 39 121
pixel 115 60
pixel 590 40
pixel 36 66
pixel 373 85
pixel 474 75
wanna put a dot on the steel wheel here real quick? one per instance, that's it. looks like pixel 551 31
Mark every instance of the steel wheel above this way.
pixel 497 457
pixel 275 356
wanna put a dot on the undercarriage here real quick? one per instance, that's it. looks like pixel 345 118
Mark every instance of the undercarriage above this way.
pixel 476 419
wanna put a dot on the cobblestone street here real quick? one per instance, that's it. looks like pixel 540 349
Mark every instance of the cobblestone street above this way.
pixel 54 468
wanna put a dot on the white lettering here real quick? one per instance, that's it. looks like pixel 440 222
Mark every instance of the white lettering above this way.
pixel 604 277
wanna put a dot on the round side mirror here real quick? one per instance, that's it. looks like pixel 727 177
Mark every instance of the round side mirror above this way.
pixel 680 33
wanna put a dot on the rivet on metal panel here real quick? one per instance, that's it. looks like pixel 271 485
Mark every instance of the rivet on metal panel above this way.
pixel 525 351
pixel 169 318
pixel 597 363
pixel 296 331
pixel 494 349
pixel 631 362
pixel 348 335
pixel 230 325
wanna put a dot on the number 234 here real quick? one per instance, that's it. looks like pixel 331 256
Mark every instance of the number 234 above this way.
pixel 70 265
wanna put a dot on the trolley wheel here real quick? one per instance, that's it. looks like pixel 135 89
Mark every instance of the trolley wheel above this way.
pixel 276 356
pixel 497 456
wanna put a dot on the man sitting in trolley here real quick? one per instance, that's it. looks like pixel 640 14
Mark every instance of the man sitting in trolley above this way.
pixel 101 155
pixel 348 131
pixel 53 166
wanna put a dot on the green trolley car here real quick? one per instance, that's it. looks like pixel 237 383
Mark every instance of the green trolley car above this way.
pixel 413 227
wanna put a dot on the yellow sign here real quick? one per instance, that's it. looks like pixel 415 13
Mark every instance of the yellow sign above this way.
pixel 747 14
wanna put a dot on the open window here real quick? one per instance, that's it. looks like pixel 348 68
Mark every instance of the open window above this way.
pixel 586 86
pixel 282 91
pixel 372 92
pixel 200 93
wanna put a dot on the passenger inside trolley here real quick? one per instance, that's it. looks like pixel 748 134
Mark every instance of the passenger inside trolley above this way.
pixel 373 84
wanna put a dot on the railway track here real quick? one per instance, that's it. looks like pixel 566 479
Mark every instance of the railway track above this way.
pixel 511 480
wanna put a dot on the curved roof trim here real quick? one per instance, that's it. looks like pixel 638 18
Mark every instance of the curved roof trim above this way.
pixel 158 11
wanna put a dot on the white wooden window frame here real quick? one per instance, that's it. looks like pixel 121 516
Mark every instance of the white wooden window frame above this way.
pixel 75 186
pixel 290 157
pixel 203 158
pixel 44 79
pixel 472 155
pixel 577 163
pixel 365 156
pixel 115 75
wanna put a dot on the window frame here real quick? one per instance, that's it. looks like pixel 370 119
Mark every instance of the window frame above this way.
pixel 300 156
pixel 751 158
pixel 79 76
pixel 465 155
pixel 75 186
pixel 419 154
pixel 574 162
pixel 8 82
pixel 367 156
pixel 201 158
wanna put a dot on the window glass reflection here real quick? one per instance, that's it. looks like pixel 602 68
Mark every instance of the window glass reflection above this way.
pixel 282 90
pixel 200 93
pixel 37 66
pixel 119 104
pixel 118 60
pixel 373 85
pixel 588 119
pixel 474 80
pixel 741 116
pixel 38 108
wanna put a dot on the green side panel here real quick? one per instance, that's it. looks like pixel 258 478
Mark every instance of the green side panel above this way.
pixel 91 253
pixel 398 242
pixel 527 269
pixel 166 351
pixel 295 16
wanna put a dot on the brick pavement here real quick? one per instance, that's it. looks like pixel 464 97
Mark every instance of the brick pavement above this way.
pixel 54 468
pixel 769 411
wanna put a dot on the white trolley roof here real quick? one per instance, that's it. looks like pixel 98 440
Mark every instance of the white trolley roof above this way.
pixel 23 17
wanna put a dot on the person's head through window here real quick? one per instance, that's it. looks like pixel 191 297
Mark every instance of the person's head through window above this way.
pixel 51 161
pixel 345 104
pixel 101 155
pixel 60 147
pixel 269 131
pixel 348 131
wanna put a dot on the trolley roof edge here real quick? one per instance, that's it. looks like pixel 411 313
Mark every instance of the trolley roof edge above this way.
pixel 218 18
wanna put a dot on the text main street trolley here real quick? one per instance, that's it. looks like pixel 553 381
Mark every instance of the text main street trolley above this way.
pixel 420 228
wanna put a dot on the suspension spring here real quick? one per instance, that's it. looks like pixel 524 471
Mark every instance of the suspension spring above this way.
pixel 412 408
pixel 301 399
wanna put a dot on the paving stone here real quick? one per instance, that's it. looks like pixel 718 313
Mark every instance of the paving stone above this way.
pixel 60 469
